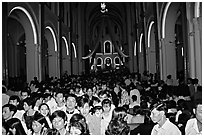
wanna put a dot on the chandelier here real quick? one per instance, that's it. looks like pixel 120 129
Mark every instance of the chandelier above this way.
pixel 103 7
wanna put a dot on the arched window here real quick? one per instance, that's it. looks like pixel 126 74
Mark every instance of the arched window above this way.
pixel 99 63
pixel 107 47
pixel 116 62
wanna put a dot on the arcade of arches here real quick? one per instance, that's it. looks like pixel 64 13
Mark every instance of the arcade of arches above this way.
pixel 49 39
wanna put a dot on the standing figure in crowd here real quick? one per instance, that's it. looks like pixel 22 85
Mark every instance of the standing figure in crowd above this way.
pixel 163 126
pixel 71 105
pixel 28 105
pixel 194 125
pixel 106 115
pixel 60 100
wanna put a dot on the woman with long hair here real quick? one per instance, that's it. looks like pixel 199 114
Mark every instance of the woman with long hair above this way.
pixel 118 124
pixel 39 125
pixel 45 111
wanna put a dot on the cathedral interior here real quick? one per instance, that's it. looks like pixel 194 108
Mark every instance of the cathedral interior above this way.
pixel 49 39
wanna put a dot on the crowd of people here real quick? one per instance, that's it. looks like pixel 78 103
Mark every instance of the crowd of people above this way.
pixel 113 103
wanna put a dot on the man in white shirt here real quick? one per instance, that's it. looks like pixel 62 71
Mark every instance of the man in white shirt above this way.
pixel 194 125
pixel 60 100
pixel 71 106
pixel 163 126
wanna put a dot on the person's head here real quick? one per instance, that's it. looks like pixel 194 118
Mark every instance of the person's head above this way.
pixel 171 104
pixel 119 113
pixel 181 104
pixel 143 105
pixel 83 105
pixel 158 112
pixel 104 94
pixel 195 81
pixel 44 109
pixel 47 96
pixel 38 98
pixel 15 126
pixel 59 119
pixel 76 128
pixel 117 127
pixel 134 98
pixel 59 97
pixel 104 86
pixel 169 77
pixel 198 111
pixel 189 81
pixel 97 111
pixel 24 94
pixel 137 110
pixel 8 111
pixel 106 104
pixel 14 100
pixel 80 119
pixel 71 101
pixel 38 123
pixel 95 100
pixel 52 132
pixel 90 92
pixel 28 103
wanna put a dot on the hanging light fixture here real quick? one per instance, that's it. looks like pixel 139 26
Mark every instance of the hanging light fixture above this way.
pixel 103 7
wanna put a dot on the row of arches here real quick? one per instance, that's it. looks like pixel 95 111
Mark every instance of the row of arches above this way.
pixel 25 55
pixel 173 47
pixel 42 49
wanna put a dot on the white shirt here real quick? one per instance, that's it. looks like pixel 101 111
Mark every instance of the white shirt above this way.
pixel 51 103
pixel 19 114
pixel 168 128
pixel 62 108
pixel 192 127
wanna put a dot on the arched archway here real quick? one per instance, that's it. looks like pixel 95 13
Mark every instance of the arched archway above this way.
pixel 168 52
pixel 22 44
pixel 50 36
pixel 151 48
pixel 65 55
